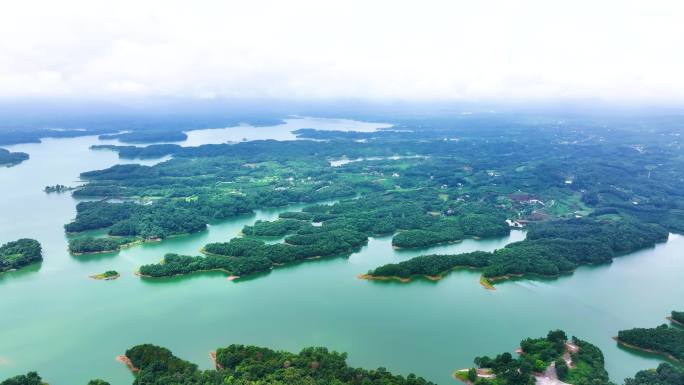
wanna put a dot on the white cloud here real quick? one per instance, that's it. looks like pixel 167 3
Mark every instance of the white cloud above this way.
pixel 502 49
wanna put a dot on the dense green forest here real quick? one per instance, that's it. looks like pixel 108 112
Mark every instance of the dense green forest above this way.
pixel 537 354
pixel 664 339
pixel 107 275
pixel 678 316
pixel 550 249
pixel 153 221
pixel 332 230
pixel 586 194
pixel 665 374
pixel 20 253
pixel 31 378
pixel 8 158
pixel 247 365
pixel 577 362
pixel 250 365
pixel 87 245
pixel 274 228
pixel 174 264
pixel 58 188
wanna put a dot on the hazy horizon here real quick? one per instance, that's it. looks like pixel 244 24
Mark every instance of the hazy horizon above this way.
pixel 615 52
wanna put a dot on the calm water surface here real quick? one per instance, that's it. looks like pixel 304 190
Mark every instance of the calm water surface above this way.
pixel 56 320
pixel 280 131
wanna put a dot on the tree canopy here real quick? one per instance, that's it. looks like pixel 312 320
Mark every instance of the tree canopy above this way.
pixel 20 253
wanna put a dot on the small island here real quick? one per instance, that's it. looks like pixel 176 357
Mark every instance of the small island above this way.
pixel 556 360
pixel 664 340
pixel 106 276
pixel 677 318
pixel 241 364
pixel 9 159
pixel 551 249
pixel 540 359
pixel 547 360
pixel 98 381
pixel 91 245
pixel 58 188
pixel 20 253
pixel 30 378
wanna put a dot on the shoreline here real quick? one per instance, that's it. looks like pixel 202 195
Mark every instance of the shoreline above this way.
pixel 455 376
pixel 486 283
pixel 650 351
pixel 675 322
pixel 122 246
pixel 382 278
pixel 433 278
pixel 203 251
pixel 493 280
pixel 474 237
pixel 212 356
pixel 127 361
pixel 101 277
pixel 20 267
pixel 432 245
pixel 94 252
pixel 231 276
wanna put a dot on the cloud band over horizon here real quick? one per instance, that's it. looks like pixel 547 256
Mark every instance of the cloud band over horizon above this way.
pixel 404 50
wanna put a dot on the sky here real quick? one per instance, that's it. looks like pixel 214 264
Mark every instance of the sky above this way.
pixel 611 50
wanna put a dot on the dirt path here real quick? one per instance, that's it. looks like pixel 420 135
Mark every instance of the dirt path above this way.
pixel 550 377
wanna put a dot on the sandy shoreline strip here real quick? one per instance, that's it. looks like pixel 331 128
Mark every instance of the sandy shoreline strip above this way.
pixel 126 361
pixel 654 352
pixel 212 355
pixel 101 277
pixel 487 284
pixel 380 278
pixel 674 321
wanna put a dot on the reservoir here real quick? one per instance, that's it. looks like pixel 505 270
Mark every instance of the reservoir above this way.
pixel 69 328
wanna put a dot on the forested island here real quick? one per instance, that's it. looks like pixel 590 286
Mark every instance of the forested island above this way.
pixel 551 248
pixel 332 230
pixel 8 158
pixel 108 275
pixel 30 378
pixel 663 340
pixel 17 254
pixel 573 361
pixel 583 199
pixel 542 360
pixel 245 365
pixel 677 317
pixel 92 245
